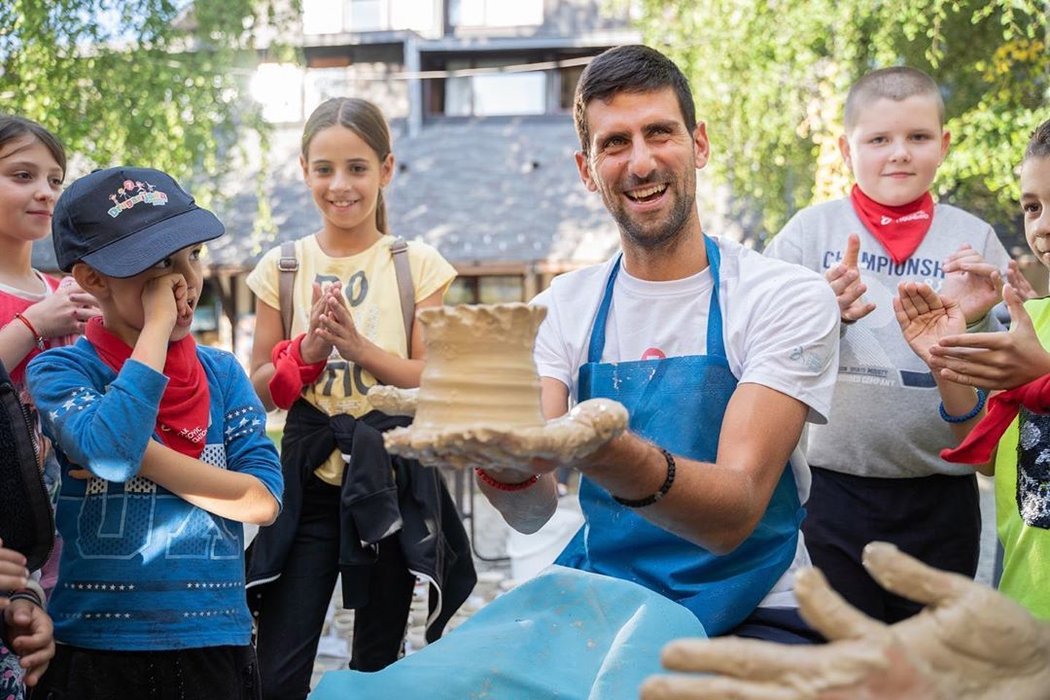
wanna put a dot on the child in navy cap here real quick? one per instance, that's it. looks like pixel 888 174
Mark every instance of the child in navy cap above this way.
pixel 166 448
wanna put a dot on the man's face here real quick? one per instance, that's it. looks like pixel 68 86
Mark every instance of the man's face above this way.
pixel 643 161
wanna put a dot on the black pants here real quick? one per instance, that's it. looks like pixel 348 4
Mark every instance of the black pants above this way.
pixel 936 519
pixel 205 673
pixel 292 609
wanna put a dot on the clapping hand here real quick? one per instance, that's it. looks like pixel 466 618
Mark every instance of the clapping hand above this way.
pixel 925 317
pixel 845 281
pixel 974 284
pixel 994 360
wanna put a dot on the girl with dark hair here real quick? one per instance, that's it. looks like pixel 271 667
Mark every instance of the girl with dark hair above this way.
pixel 346 325
pixel 36 312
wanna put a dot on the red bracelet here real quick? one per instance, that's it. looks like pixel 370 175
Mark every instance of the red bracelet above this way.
pixel 485 478
pixel 37 338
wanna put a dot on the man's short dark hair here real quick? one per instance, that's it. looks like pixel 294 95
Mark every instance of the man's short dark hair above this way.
pixel 633 68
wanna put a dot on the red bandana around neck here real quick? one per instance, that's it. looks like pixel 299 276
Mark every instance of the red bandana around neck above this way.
pixel 182 421
pixel 901 229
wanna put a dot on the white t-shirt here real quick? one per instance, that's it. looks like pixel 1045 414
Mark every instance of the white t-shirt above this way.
pixel 780 328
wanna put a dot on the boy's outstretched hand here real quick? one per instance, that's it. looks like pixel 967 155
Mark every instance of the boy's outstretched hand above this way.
pixel 975 284
pixel 29 634
pixel 925 317
pixel 994 360
pixel 969 643
pixel 845 281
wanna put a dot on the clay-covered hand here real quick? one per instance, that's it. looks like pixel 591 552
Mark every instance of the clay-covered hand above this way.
pixel 1019 282
pixel 969 643
pixel 925 317
pixel 975 284
pixel 314 347
pixel 64 311
pixel 994 360
pixel 29 633
pixel 845 281
pixel 530 449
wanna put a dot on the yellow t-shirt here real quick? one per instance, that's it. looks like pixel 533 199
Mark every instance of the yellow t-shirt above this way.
pixel 370 288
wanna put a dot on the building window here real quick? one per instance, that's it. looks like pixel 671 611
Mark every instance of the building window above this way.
pixel 336 16
pixel 496 94
pixel 495 13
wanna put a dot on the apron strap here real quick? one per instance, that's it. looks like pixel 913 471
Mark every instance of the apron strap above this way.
pixel 716 345
pixel 715 342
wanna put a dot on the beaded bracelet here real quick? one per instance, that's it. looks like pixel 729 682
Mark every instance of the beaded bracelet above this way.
pixel 649 500
pixel 485 478
pixel 945 416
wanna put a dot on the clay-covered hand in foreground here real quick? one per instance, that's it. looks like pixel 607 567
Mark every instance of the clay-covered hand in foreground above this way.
pixel 563 440
pixel 969 643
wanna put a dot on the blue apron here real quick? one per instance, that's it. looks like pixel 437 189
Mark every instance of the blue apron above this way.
pixel 678 403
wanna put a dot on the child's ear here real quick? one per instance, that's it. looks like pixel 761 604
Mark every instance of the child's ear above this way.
pixel 305 166
pixel 844 150
pixel 386 170
pixel 946 142
pixel 91 280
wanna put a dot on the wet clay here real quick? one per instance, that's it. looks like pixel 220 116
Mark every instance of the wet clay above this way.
pixel 478 403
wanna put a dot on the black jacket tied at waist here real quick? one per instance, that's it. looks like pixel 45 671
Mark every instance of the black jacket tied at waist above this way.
pixel 380 495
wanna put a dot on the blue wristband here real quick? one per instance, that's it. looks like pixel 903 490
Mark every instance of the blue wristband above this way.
pixel 981 396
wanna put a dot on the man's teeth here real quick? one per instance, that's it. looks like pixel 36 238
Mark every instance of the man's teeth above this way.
pixel 647 192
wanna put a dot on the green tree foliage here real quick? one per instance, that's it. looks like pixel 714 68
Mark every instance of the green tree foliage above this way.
pixel 770 78
pixel 154 82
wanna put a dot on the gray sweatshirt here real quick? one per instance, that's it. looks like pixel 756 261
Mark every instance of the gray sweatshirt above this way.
pixel 884 420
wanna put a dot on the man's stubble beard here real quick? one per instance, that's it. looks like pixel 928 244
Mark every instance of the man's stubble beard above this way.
pixel 664 234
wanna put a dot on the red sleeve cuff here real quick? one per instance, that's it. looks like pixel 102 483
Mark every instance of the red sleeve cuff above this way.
pixel 291 373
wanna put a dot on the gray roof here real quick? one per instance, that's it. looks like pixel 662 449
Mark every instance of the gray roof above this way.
pixel 495 190
pixel 480 191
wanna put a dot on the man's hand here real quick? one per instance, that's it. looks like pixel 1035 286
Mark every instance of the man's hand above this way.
pixel 970 643
pixel 925 317
pixel 845 281
pixel 994 360
pixel 975 284
pixel 29 634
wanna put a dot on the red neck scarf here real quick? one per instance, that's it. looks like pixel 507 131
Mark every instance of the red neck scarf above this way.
pixel 901 229
pixel 182 421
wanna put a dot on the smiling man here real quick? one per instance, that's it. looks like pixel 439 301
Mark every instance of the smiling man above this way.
pixel 719 354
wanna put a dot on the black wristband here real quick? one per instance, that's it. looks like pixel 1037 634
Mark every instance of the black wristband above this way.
pixel 649 500
pixel 25 594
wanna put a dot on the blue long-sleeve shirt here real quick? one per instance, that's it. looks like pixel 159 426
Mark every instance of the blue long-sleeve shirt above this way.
pixel 141 568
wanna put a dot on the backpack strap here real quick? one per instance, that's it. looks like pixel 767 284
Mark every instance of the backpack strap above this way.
pixel 399 250
pixel 287 266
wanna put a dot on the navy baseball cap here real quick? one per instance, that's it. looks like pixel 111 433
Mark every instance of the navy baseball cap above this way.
pixel 122 221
